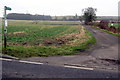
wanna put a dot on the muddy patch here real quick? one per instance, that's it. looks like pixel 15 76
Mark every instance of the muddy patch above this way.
pixel 112 61
pixel 60 40
pixel 22 44
pixel 65 39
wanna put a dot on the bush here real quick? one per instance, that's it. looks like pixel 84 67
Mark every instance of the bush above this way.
pixel 104 24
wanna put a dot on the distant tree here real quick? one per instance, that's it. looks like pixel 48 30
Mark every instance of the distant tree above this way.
pixel 56 18
pixel 89 14
pixel 76 17
pixel 64 19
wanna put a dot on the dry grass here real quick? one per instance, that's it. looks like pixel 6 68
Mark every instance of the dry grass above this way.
pixel 18 33
pixel 72 39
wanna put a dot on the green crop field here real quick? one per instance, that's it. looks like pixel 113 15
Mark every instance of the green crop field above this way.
pixel 116 25
pixel 46 38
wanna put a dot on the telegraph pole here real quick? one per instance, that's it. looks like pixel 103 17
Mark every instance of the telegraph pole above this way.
pixel 5 25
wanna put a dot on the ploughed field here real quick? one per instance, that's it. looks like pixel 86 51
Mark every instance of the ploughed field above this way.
pixel 46 38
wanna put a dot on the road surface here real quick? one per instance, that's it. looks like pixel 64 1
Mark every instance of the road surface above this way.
pixel 107 45
pixel 16 69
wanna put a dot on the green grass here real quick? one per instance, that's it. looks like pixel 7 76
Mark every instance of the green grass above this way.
pixel 34 34
pixel 24 52
pixel 26 39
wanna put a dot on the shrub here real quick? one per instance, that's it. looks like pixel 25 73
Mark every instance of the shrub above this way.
pixel 104 24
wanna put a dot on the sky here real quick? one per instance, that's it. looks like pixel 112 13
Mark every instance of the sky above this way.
pixel 60 7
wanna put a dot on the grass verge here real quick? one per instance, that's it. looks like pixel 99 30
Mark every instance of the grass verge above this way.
pixel 115 34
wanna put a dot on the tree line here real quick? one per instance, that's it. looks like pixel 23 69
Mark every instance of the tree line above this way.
pixel 88 15
pixel 20 16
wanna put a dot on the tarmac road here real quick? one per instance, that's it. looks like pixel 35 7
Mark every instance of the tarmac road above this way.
pixel 15 69
pixel 107 45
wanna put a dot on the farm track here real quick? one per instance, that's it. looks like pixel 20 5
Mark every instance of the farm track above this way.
pixel 106 46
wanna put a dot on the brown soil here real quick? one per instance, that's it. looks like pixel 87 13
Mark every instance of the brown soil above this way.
pixel 26 45
pixel 60 40
pixel 67 39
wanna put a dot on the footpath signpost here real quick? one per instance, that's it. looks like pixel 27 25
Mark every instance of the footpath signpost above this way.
pixel 5 25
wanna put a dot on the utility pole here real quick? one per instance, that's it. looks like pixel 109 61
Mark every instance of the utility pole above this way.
pixel 5 25
pixel 5 28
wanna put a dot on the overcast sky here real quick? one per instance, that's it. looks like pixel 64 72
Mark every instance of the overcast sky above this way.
pixel 60 7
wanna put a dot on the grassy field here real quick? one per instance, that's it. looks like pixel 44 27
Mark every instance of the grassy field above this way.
pixel 46 38
pixel 116 25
